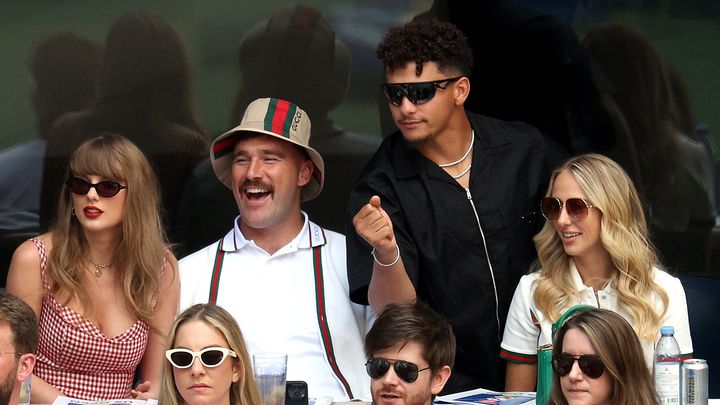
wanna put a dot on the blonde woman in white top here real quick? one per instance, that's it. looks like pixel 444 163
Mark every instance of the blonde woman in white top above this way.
pixel 593 250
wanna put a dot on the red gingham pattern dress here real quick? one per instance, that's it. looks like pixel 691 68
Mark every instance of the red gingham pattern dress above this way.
pixel 77 358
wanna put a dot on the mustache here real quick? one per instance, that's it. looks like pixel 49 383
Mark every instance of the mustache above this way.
pixel 256 184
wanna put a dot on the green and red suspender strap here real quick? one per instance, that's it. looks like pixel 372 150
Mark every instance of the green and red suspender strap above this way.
pixel 217 268
pixel 319 302
pixel 323 321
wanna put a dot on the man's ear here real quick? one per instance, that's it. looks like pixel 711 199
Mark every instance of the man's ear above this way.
pixel 462 90
pixel 26 364
pixel 439 379
pixel 306 171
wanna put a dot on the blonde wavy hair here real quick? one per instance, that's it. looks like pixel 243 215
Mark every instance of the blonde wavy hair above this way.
pixel 242 392
pixel 141 254
pixel 623 233
pixel 618 347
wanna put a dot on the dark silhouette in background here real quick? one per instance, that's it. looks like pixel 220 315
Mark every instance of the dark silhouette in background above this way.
pixel 295 56
pixel 672 171
pixel 530 67
pixel 64 68
pixel 145 95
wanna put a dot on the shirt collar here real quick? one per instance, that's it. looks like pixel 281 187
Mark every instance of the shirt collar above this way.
pixel 577 280
pixel 408 162
pixel 310 235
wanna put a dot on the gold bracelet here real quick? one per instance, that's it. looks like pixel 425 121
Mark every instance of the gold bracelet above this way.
pixel 397 247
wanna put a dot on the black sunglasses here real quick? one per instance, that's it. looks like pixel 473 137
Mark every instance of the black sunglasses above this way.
pixel 407 371
pixel 577 208
pixel 417 93
pixel 104 188
pixel 209 357
pixel 590 365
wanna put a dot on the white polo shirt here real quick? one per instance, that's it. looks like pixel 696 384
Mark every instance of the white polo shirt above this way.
pixel 527 328
pixel 274 300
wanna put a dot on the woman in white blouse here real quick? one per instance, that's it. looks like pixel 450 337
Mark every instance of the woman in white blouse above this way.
pixel 593 250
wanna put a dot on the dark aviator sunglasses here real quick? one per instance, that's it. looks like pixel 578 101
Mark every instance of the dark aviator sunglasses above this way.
pixel 104 188
pixel 407 371
pixel 590 365
pixel 577 208
pixel 417 93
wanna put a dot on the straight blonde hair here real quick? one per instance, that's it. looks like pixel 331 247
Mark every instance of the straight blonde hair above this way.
pixel 623 233
pixel 242 392
pixel 141 254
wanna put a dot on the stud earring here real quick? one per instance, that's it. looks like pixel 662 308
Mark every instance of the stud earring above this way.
pixel 73 211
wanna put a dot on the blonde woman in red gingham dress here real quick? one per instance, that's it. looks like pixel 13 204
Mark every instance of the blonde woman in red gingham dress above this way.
pixel 103 282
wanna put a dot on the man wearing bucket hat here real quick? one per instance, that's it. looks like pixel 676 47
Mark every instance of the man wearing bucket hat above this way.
pixel 316 80
pixel 280 275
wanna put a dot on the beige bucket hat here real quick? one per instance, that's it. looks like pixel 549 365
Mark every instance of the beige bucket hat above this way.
pixel 274 117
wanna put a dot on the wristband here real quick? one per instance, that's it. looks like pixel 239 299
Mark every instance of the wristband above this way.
pixel 383 264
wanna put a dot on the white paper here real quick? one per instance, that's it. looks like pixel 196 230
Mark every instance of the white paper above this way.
pixel 509 398
pixel 75 401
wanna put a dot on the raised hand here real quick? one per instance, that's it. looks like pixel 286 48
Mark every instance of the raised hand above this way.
pixel 373 224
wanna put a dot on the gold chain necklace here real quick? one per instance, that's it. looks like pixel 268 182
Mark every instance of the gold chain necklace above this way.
pixel 99 267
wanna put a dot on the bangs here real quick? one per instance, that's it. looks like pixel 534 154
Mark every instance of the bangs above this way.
pixel 96 158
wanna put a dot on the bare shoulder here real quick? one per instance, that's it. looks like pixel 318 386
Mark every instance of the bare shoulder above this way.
pixel 24 277
pixel 27 254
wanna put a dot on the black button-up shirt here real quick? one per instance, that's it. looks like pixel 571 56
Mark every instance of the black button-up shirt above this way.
pixel 442 246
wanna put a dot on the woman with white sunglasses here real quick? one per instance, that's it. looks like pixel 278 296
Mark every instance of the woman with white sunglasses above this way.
pixel 207 361
pixel 592 250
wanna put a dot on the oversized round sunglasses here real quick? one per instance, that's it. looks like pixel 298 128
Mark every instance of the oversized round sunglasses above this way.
pixel 590 365
pixel 417 93
pixel 209 357
pixel 104 188
pixel 406 370
pixel 577 208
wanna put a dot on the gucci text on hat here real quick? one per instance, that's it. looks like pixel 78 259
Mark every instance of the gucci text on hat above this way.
pixel 274 117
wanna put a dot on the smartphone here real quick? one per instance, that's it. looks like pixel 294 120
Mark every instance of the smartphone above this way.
pixel 296 393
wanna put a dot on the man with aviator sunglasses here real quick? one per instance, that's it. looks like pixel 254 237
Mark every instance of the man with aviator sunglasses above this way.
pixel 446 208
pixel 411 352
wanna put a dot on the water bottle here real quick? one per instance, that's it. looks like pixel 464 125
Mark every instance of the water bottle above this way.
pixel 666 367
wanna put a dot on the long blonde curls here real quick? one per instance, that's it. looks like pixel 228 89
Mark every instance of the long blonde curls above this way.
pixel 623 233
pixel 141 254
pixel 242 392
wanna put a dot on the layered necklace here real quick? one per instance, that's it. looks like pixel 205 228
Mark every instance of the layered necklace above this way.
pixel 464 156
pixel 99 267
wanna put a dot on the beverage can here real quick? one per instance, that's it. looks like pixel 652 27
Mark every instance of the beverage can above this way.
pixel 694 382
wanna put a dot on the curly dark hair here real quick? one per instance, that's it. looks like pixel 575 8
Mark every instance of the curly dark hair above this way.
pixel 426 40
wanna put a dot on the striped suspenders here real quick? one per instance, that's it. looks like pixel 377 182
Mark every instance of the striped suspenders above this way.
pixel 319 303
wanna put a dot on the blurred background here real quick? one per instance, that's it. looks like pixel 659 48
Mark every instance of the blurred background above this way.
pixel 63 77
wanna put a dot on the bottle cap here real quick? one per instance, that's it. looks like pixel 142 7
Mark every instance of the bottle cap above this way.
pixel 667 330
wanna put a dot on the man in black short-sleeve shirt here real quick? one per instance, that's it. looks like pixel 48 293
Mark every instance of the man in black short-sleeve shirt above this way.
pixel 446 209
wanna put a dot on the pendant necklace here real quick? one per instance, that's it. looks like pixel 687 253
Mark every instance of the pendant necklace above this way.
pixel 99 267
